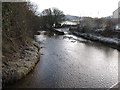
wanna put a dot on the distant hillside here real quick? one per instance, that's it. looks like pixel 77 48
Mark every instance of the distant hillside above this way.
pixel 71 17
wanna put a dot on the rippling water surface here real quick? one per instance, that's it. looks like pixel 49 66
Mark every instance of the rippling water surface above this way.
pixel 71 62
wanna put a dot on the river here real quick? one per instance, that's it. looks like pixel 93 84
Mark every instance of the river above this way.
pixel 71 62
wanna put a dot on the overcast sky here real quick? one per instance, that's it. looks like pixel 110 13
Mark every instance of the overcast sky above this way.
pixel 92 8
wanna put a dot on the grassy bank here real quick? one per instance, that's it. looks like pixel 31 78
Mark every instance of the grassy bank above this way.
pixel 19 68
pixel 109 41
pixel 19 51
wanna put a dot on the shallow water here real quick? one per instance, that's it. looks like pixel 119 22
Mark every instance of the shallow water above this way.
pixel 71 62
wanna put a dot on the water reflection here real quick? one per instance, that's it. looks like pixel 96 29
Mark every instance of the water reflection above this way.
pixel 68 64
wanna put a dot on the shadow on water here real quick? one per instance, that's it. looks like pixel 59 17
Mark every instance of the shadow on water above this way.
pixel 69 62
pixel 100 46
pixel 50 34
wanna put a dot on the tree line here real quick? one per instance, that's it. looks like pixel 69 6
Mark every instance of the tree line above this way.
pixel 19 23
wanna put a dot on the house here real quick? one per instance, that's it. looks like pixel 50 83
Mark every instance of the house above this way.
pixel 116 15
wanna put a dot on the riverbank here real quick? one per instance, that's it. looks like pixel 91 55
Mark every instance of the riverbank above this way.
pixel 16 69
pixel 112 42
pixel 82 64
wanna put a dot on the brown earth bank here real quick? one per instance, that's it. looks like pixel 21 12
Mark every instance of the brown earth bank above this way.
pixel 19 66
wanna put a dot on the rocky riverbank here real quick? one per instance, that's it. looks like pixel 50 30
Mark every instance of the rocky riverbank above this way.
pixel 17 69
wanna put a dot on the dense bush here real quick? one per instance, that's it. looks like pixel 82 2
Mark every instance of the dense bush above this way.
pixel 19 25
pixel 109 33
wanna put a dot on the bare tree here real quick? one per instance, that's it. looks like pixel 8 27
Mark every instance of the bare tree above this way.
pixel 51 17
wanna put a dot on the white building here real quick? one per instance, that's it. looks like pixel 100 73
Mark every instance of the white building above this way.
pixel 68 23
pixel 116 13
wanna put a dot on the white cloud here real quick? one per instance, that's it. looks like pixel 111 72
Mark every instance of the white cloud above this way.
pixel 94 8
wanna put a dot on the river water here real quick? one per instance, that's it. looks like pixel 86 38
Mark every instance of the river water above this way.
pixel 71 62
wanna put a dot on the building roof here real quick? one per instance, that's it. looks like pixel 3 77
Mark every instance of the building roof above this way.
pixel 117 9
